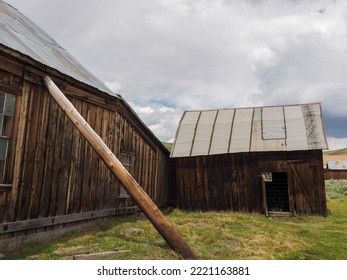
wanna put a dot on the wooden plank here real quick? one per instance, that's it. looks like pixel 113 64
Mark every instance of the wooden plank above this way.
pixel 102 255
pixel 263 189
pixel 301 185
pixel 63 219
pixel 54 199
pixel 11 66
pixel 93 122
pixel 79 163
pixel 37 181
pixel 29 155
pixel 64 169
pixel 87 165
pixel 74 171
pixel 21 119
pixel 49 159
pixel 103 168
pixel 170 235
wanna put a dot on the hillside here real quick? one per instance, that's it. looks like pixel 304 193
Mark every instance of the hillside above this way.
pixel 168 145
pixel 335 155
pixel 336 152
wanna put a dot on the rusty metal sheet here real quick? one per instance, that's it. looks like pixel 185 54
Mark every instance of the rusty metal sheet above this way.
pixel 313 124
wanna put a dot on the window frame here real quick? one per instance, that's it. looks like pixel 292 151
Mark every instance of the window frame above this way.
pixel 7 113
pixel 129 166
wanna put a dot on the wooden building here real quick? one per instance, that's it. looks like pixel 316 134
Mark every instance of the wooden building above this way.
pixel 335 170
pixel 51 178
pixel 262 159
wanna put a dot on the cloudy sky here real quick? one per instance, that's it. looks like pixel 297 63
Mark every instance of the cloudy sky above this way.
pixel 167 56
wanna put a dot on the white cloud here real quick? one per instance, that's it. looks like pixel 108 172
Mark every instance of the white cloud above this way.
pixel 114 86
pixel 206 54
pixel 162 120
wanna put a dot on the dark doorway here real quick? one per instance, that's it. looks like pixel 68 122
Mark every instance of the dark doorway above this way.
pixel 277 192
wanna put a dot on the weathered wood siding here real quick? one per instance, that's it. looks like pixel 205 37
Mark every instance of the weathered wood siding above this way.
pixel 232 182
pixel 335 174
pixel 53 170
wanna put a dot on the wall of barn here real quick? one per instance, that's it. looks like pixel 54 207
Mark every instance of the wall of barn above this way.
pixel 232 182
pixel 335 174
pixel 51 170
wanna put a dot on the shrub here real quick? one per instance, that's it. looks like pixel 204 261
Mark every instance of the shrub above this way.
pixel 336 189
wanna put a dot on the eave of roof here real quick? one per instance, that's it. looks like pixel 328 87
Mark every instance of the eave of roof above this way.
pixel 20 34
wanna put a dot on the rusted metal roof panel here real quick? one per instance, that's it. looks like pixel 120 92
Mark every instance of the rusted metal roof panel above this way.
pixel 20 34
pixel 337 165
pixel 258 129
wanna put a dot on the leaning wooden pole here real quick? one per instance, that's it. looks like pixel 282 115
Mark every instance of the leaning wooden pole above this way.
pixel 148 207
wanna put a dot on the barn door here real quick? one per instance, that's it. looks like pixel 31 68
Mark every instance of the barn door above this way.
pixel 275 193
pixel 299 174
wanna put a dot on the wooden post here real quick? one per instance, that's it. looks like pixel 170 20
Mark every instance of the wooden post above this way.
pixel 263 186
pixel 153 213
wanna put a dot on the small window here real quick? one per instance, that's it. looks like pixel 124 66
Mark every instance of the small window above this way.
pixel 127 161
pixel 7 103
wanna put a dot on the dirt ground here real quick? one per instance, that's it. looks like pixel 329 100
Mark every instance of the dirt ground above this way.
pixel 334 158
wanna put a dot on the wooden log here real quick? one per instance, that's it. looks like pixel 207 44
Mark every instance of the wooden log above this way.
pixel 157 218
pixel 263 186
pixel 101 255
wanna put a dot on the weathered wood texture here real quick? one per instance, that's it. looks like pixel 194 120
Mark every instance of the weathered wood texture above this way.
pixel 335 174
pixel 233 182
pixel 135 191
pixel 52 169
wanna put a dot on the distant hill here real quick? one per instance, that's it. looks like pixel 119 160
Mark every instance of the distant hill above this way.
pixel 168 146
pixel 336 152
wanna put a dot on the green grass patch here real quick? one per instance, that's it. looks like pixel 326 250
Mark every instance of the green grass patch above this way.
pixel 217 235
pixel 168 145
pixel 336 189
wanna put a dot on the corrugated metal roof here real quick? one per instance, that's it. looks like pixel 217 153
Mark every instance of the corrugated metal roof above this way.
pixel 337 165
pixel 258 129
pixel 19 33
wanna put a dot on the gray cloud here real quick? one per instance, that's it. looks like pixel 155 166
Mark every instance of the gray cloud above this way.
pixel 207 54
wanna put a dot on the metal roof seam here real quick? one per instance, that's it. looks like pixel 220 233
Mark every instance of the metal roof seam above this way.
pixel 212 132
pixel 231 130
pixel 194 135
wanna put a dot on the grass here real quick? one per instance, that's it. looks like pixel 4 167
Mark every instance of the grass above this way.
pixel 218 235
pixel 168 145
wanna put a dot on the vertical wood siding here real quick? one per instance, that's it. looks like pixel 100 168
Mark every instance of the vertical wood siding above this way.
pixel 335 174
pixel 232 182
pixel 55 172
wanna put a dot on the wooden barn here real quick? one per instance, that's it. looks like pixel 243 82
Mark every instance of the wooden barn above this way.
pixel 335 170
pixel 262 159
pixel 51 179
